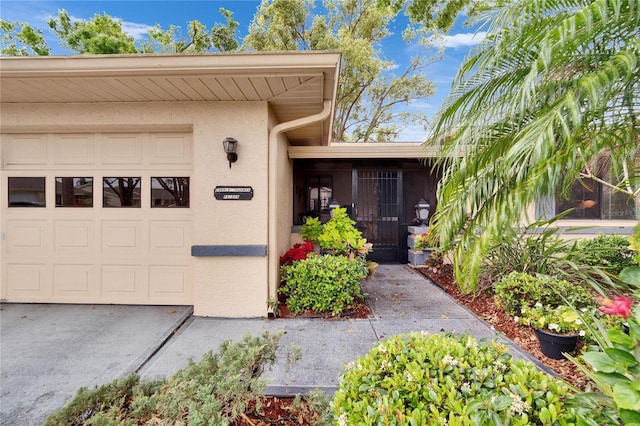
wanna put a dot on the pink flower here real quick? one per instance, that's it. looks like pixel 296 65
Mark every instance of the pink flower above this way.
pixel 620 306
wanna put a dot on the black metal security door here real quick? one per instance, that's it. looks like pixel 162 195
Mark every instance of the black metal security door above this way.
pixel 377 210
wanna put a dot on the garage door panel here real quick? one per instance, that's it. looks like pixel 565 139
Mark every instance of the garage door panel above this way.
pixel 169 237
pixel 124 282
pixel 168 282
pixel 169 149
pixel 75 282
pixel 74 236
pixel 76 149
pixel 121 149
pixel 29 281
pixel 122 237
pixel 18 150
pixel 26 237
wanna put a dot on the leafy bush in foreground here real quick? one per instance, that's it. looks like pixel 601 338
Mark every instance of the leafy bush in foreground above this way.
pixel 323 283
pixel 213 391
pixel 439 379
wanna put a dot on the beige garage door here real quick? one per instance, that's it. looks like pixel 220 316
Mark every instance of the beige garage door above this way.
pixel 96 218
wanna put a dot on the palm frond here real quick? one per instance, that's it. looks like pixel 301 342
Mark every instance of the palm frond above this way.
pixel 552 87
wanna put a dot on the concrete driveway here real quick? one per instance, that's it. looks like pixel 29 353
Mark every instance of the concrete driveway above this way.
pixel 47 352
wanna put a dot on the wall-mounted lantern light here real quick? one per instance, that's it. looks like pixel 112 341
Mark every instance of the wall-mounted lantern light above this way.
pixel 231 148
pixel 422 211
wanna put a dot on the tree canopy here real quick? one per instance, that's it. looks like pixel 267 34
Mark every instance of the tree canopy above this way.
pixel 369 94
pixel 551 94
pixel 20 39
pixel 102 34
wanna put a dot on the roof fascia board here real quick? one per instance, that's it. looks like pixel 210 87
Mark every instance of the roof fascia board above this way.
pixel 364 151
pixel 310 63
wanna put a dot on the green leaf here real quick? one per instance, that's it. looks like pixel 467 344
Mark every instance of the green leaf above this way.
pixel 611 378
pixel 501 403
pixel 625 397
pixel 545 415
pixel 631 275
pixel 621 357
pixel 600 361
pixel 620 338
pixel 630 417
pixel 585 421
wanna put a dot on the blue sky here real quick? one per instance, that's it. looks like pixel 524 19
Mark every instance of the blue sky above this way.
pixel 139 15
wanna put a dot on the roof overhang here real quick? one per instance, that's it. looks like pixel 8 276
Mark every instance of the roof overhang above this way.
pixel 295 84
pixel 342 150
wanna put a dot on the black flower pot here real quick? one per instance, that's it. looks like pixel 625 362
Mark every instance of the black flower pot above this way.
pixel 553 345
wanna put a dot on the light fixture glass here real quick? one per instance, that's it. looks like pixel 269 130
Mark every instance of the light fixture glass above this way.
pixel 422 211
pixel 231 148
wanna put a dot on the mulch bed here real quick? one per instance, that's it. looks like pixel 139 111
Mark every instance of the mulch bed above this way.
pixel 276 411
pixel 483 305
pixel 359 310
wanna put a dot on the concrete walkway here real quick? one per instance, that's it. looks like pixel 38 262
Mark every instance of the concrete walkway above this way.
pixel 401 300
pixel 49 351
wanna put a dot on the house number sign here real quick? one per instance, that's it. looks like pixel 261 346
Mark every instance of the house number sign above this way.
pixel 233 192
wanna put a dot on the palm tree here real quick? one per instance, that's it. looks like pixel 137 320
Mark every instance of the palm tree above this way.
pixel 552 90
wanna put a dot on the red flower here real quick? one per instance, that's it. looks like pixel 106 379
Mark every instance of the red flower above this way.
pixel 620 306
pixel 298 252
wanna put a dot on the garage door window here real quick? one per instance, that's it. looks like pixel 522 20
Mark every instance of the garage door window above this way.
pixel 74 192
pixel 26 192
pixel 121 192
pixel 170 192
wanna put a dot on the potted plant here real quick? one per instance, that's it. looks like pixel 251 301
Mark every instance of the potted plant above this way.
pixel 423 243
pixel 558 328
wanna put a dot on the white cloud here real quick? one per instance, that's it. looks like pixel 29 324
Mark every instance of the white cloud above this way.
pixel 422 104
pixel 135 30
pixel 463 39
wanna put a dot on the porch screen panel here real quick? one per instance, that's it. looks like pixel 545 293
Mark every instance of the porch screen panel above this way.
pixel 377 206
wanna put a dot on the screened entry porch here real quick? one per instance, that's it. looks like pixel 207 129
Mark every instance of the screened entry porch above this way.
pixel 380 195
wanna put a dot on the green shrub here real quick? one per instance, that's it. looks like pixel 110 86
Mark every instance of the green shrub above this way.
pixel 534 249
pixel 323 283
pixel 519 289
pixel 540 249
pixel 439 379
pixel 340 236
pixel 609 252
pixel 213 391
pixel 311 229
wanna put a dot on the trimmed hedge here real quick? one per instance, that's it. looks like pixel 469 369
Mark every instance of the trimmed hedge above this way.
pixel 442 379
pixel 323 283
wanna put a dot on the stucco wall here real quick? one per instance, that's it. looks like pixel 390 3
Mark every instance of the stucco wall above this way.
pixel 223 286
pixel 282 197
pixel 285 196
